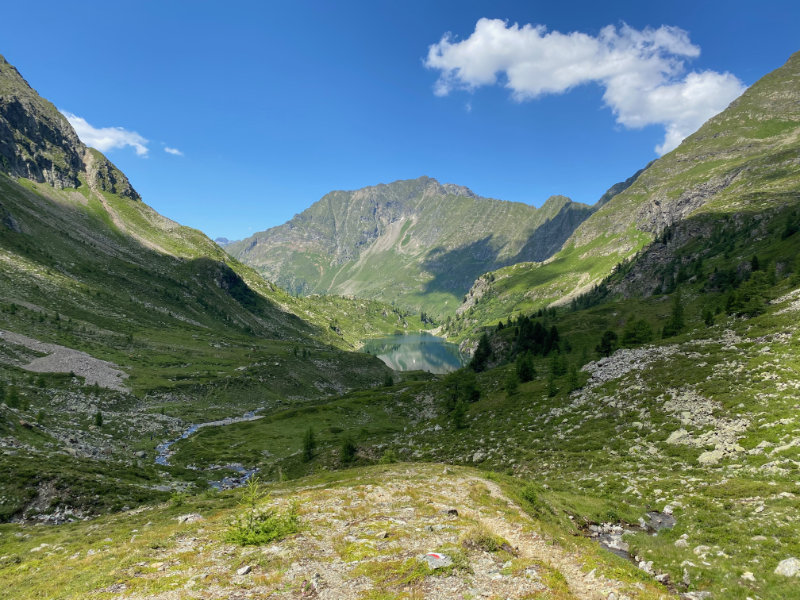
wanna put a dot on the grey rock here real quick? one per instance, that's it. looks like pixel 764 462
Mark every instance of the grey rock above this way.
pixel 788 567
pixel 190 518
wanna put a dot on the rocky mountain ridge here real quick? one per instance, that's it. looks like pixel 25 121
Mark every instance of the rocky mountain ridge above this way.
pixel 416 242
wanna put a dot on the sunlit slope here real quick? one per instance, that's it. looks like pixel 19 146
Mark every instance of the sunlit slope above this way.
pixel 743 160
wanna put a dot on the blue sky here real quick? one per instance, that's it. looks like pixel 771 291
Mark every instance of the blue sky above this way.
pixel 267 106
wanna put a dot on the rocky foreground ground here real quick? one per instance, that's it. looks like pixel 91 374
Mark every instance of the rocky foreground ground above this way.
pixel 396 531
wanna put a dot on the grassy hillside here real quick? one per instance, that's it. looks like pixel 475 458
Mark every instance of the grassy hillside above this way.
pixel 119 327
pixel 743 161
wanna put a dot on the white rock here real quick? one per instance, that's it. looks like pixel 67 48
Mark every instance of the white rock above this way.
pixel 748 576
pixel 788 567
pixel 437 560
pixel 190 518
pixel 710 457
pixel 244 570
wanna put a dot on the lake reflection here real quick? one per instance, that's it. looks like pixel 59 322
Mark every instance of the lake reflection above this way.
pixel 416 352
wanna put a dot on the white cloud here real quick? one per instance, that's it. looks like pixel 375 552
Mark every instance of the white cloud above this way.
pixel 642 72
pixel 106 138
pixel 174 151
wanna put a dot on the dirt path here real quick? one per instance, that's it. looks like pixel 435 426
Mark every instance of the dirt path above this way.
pixel 582 584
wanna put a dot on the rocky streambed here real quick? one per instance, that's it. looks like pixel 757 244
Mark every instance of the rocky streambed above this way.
pixel 610 536
pixel 164 451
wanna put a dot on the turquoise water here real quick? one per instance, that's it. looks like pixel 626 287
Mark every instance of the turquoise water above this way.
pixel 416 352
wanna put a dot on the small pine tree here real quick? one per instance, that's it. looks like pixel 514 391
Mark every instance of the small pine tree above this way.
pixel 309 445
pixel 12 397
pixel 675 323
pixel 388 380
pixel 557 365
pixel 608 343
pixel 572 378
pixel 482 354
pixel 525 369
pixel 98 419
pixel 459 415
pixel 708 317
pixel 637 332
pixel 347 451
pixel 552 389
pixel 512 383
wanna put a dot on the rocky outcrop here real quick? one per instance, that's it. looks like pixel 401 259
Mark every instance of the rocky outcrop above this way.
pixel 38 143
pixel 107 177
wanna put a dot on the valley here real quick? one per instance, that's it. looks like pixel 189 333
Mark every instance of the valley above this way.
pixel 184 420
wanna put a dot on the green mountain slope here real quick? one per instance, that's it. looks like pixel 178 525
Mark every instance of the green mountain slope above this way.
pixel 417 242
pixel 744 160
pixel 108 308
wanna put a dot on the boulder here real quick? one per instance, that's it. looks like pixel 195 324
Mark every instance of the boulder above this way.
pixel 788 567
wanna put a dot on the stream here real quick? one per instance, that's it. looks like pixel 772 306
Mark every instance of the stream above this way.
pixel 609 535
pixel 163 452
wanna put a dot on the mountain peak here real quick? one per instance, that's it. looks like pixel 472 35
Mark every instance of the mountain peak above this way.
pixel 38 143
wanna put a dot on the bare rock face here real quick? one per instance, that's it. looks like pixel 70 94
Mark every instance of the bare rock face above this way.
pixel 38 143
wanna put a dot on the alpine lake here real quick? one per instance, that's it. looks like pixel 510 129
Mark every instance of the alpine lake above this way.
pixel 416 352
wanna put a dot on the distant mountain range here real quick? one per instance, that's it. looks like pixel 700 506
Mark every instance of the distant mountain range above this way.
pixel 417 243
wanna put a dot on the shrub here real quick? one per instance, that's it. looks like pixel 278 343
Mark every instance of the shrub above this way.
pixel 260 523
pixel 481 538
pixel 389 456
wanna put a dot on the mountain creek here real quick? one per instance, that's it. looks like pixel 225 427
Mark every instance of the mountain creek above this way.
pixel 163 451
